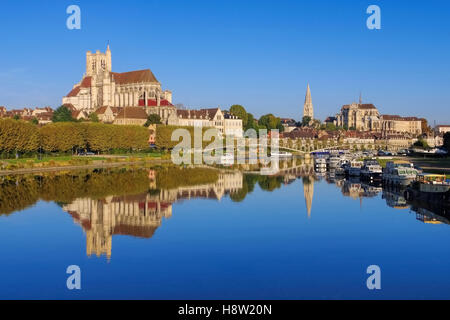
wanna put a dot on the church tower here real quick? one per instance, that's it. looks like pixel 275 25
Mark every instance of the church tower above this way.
pixel 308 110
pixel 98 62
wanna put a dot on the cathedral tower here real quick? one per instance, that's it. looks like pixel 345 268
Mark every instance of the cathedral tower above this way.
pixel 98 62
pixel 308 110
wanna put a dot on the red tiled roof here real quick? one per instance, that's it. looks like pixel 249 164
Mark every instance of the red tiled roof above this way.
pixel 74 92
pixel 86 83
pixel 154 103
pixel 197 114
pixel 132 113
pixel 399 118
pixel 134 77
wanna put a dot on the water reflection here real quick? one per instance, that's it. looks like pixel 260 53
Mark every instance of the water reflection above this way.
pixel 140 215
pixel 134 202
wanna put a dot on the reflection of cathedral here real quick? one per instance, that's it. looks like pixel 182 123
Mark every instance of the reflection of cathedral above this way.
pixel 308 192
pixel 139 215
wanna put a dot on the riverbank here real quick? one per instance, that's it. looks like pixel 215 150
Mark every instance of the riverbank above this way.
pixel 432 165
pixel 33 165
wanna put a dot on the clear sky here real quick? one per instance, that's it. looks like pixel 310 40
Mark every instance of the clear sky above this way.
pixel 260 54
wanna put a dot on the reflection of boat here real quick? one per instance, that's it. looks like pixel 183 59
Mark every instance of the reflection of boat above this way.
pixel 430 188
pixel 427 216
pixel 334 162
pixel 394 199
pixel 320 164
pixel 371 170
pixel 399 173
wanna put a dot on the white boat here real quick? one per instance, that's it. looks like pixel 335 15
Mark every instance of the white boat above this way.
pixel 399 173
pixel 371 170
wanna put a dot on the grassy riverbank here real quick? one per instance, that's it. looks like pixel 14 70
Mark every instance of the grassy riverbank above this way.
pixel 70 161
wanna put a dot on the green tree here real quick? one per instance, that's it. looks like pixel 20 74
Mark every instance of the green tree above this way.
pixel 34 121
pixel 421 143
pixel 306 121
pixel 93 117
pixel 153 119
pixel 240 112
pixel 269 121
pixel 330 126
pixel 62 114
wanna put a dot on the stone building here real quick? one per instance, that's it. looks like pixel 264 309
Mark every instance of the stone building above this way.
pixel 308 109
pixel 395 123
pixel 101 87
pixel 443 128
pixel 108 114
pixel 226 123
pixel 131 116
pixel 358 116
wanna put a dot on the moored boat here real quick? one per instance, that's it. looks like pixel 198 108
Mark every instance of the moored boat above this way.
pixel 371 170
pixel 399 173
pixel 354 170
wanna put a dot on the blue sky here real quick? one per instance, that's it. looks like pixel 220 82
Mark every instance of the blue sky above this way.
pixel 260 54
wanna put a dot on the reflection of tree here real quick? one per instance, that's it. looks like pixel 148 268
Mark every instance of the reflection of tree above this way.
pixel 20 192
pixel 266 183
pixel 240 195
pixel 175 177
pixel 17 194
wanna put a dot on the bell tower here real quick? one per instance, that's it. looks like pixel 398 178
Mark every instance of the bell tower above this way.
pixel 308 110
pixel 98 62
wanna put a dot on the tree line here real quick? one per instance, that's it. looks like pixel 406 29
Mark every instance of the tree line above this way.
pixel 18 136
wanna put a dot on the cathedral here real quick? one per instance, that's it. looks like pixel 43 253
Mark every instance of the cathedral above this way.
pixel 101 87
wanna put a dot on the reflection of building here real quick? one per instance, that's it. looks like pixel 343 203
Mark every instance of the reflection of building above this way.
pixel 308 192
pixel 139 215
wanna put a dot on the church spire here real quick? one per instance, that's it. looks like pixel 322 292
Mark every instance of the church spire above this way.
pixel 308 110
pixel 360 97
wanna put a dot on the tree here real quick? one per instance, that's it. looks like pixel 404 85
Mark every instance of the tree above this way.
pixel 447 141
pixel 269 121
pixel 16 117
pixel 62 114
pixel 250 122
pixel 34 121
pixel 240 112
pixel 421 143
pixel 306 120
pixel 153 119
pixel 93 117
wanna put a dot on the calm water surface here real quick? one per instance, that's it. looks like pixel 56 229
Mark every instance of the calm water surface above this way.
pixel 187 234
